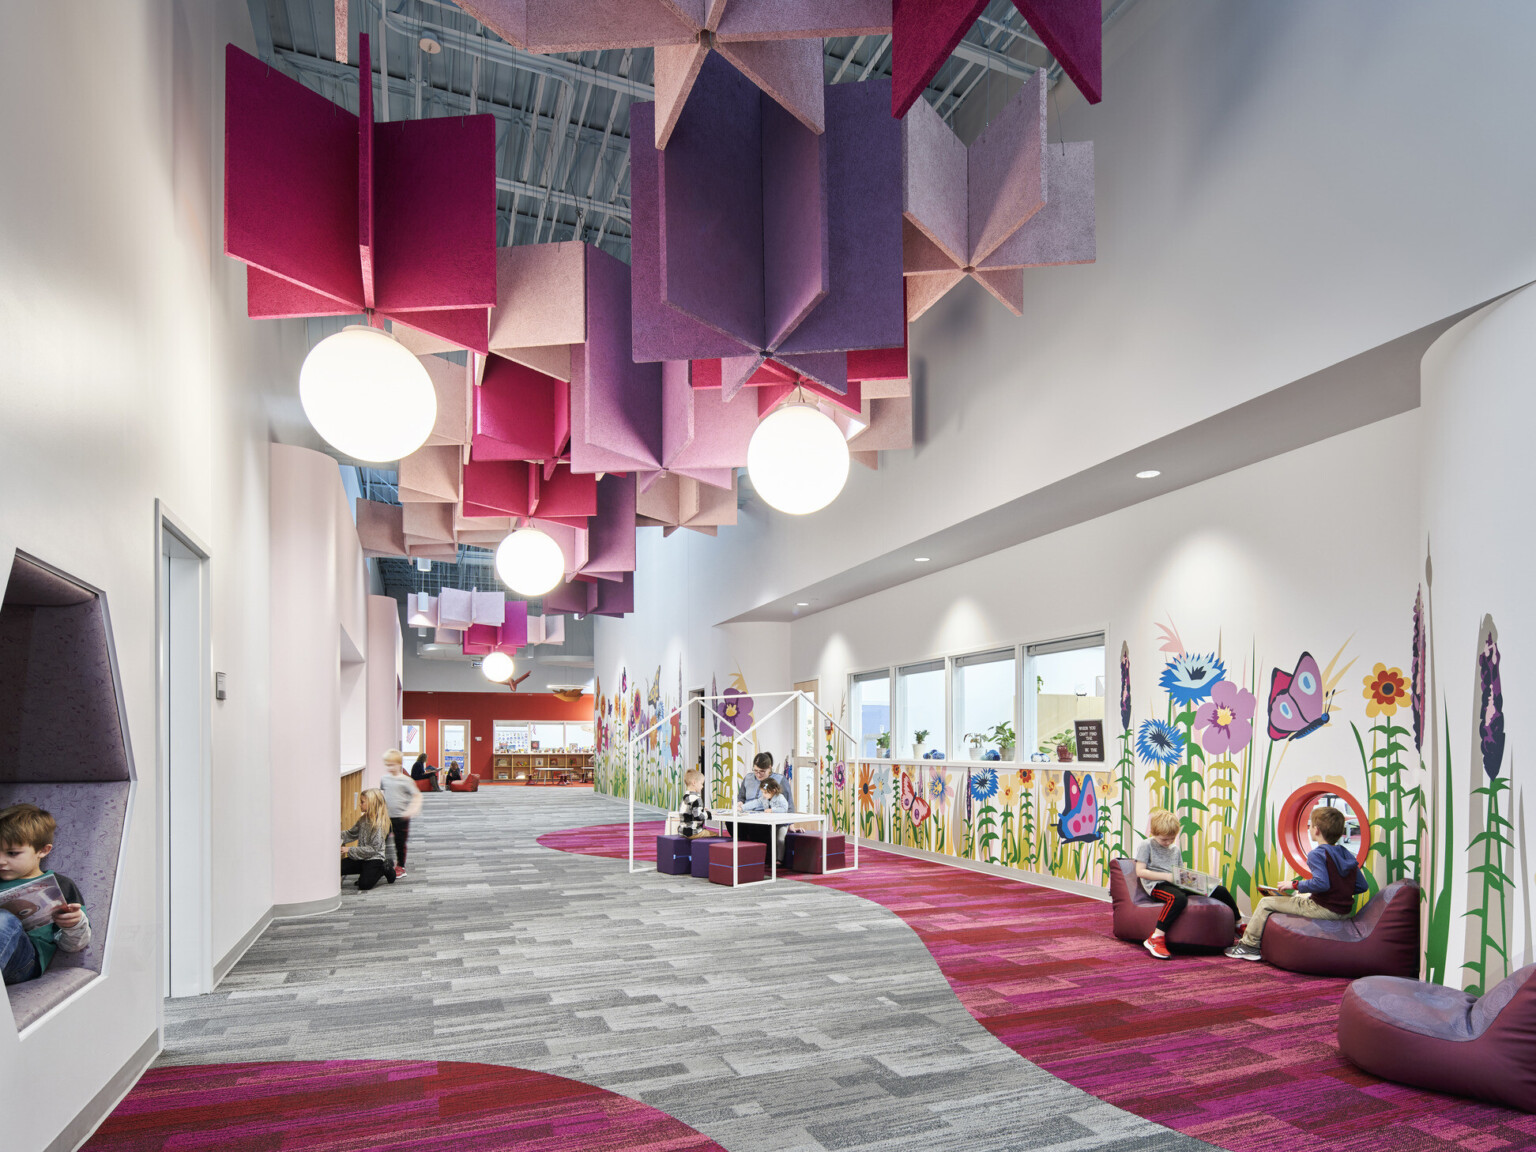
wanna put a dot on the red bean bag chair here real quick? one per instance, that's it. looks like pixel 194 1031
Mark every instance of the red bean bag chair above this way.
pixel 1444 1039
pixel 1382 939
pixel 1205 923
pixel 470 783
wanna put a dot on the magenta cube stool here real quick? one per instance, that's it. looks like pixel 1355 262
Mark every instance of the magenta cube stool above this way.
pixel 751 864
pixel 672 855
pixel 802 851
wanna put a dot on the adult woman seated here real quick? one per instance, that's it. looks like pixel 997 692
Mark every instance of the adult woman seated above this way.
pixel 422 771
pixel 751 784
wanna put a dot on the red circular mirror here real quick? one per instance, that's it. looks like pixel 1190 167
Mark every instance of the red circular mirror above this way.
pixel 1296 817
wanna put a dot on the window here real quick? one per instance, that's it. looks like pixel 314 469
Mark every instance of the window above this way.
pixel 871 710
pixel 1065 681
pixel 548 737
pixel 984 697
pixel 510 736
pixel 920 706
pixel 579 736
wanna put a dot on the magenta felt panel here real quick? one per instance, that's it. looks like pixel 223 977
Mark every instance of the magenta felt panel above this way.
pixel 615 597
pixel 879 364
pixel 711 195
pixel 269 297
pixel 476 649
pixel 290 179
pixel 459 327
pixel 864 307
pixel 567 494
pixel 1064 231
pixel 660 331
pixel 520 414
pixel 611 533
pixel 923 34
pixel 503 486
pixel 481 634
pixel 1074 32
pixel 796 273
pixel 1006 170
pixel 513 633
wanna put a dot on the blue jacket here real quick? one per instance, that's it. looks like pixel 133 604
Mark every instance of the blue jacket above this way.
pixel 1336 878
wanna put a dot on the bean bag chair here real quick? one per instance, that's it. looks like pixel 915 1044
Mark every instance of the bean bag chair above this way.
pixel 1206 923
pixel 470 783
pixel 1382 939
pixel 1444 1039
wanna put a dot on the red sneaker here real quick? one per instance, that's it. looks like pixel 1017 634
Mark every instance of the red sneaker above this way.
pixel 1158 946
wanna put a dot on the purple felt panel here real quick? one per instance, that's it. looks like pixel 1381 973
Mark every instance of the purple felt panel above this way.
pixel 540 295
pixel 737 371
pixel 611 533
pixel 435 213
pixel 711 196
pixel 380 528
pixel 719 429
pixel 781 19
pixel 1006 170
pixel 864 307
pixel 615 597
pixel 660 332
pixel 676 408
pixel 567 494
pixel 879 363
pixel 520 414
pixel 796 273
pixel 1064 231
pixel 934 181
pixel 505 486
pixel 790 72
pixel 290 179
pixel 513 633
pixel 1074 32
pixel 923 34
pixel 574 596
pixel 615 402
pixel 829 369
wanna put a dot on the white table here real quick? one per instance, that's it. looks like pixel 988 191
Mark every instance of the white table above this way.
pixel 774 820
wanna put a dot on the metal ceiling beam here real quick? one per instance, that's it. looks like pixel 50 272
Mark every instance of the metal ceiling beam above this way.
pixel 556 196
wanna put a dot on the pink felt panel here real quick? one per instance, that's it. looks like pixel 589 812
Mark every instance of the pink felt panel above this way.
pixel 1074 32
pixel 488 607
pixel 677 67
pixel 482 634
pixel 1006 170
pixel 781 19
pixel 290 180
pixel 455 401
pixel 506 487
pixel 541 295
pixel 890 426
pixel 923 34
pixel 455 327
pixel 771 396
pixel 572 541
pixel 1064 231
pixel 554 629
pixel 269 297
pixel 421 610
pixel 796 260
pixel 934 182
pixel 611 533
pixel 455 608
pixel 520 414
pixel 428 523
pixel 380 528
pixel 431 551
pixel 616 597
pixel 430 474
pixel 513 633
pixel 536 629
pixel 447 635
pixel 567 494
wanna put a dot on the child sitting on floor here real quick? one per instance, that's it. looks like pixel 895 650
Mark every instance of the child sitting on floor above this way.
pixel 1158 861
pixel 26 838
pixel 692 813
pixel 369 859
pixel 1329 894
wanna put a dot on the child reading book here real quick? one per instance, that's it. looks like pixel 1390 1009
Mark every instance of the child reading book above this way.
pixel 1328 894
pixel 770 798
pixel 1160 868
pixel 46 913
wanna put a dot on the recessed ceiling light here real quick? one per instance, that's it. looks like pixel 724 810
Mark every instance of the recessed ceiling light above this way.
pixel 920 559
pixel 1148 474
pixel 803 604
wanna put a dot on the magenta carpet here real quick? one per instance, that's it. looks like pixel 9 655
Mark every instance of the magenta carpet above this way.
pixel 357 1105
pixel 1238 1054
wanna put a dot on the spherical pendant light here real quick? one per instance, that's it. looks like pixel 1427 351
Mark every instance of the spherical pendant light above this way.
pixel 366 395
pixel 798 459
pixel 497 667
pixel 529 562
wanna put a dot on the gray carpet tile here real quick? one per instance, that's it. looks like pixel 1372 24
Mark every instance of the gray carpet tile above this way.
pixel 773 1017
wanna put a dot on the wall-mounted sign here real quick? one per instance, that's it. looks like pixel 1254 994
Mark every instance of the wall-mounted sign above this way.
pixel 1090 740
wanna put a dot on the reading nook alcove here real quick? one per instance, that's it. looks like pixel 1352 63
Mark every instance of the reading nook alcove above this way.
pixel 63 746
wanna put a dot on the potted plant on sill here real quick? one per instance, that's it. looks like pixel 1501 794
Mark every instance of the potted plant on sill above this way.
pixel 1002 735
pixel 883 742
pixel 1063 745
pixel 920 749
pixel 978 742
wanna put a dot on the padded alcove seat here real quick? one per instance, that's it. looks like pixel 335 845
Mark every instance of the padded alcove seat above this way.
pixel 63 747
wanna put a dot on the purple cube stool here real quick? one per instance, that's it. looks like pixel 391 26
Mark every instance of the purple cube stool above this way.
pixel 752 862
pixel 802 851
pixel 699 846
pixel 672 855
pixel 1206 923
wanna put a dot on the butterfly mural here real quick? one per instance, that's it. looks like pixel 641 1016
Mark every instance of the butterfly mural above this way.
pixel 1079 821
pixel 1298 701
pixel 912 802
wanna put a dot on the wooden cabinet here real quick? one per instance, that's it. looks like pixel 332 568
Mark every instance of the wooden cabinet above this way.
pixel 542 768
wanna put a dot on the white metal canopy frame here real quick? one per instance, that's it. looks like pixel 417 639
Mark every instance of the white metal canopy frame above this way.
pixel 789 698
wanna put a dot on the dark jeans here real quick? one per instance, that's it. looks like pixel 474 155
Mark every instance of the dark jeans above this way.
pixel 401 826
pixel 368 872
pixel 1174 899
pixel 18 958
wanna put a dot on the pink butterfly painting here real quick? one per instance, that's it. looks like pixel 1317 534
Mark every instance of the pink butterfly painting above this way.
pixel 908 796
pixel 1079 821
pixel 1298 705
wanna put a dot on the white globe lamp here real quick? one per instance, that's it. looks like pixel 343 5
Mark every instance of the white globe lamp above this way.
pixel 529 562
pixel 366 395
pixel 497 667
pixel 798 459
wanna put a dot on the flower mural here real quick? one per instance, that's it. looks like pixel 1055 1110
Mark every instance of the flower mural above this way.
pixel 1385 691
pixel 1159 743
pixel 983 784
pixel 938 787
pixel 866 787
pixel 1418 669
pixel 1125 685
pixel 1490 715
pixel 1489 881
pixel 839 775
pixel 1226 720
pixel 677 735
pixel 736 709
pixel 1189 677
pixel 882 789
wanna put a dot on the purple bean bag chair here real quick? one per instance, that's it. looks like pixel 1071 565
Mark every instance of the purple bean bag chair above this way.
pixel 1206 923
pixel 1382 939
pixel 1444 1039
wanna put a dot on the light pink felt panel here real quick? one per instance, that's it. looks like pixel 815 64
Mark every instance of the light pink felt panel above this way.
pixel 541 296
pixel 1064 231
pixel 611 533
pixel 513 633
pixel 380 528
pixel 588 26
pixel 536 629
pixel 447 636
pixel 572 541
pixel 429 523
pixel 455 401
pixel 676 408
pixel 890 426
pixel 1006 170
pixel 554 629
pixel 792 72
pixel 488 607
pixel 431 551
pixel 677 67
pixel 781 19
pixel 934 183
pixel 520 414
pixel 501 485
pixel 567 494
pixel 290 180
pixel 421 610
pixel 455 608
pixel 770 396
pixel 431 475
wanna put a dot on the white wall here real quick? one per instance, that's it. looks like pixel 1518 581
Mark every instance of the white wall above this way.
pixel 384 684
pixel 132 374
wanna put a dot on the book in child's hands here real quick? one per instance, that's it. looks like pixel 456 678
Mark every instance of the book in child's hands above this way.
pixel 34 901
pixel 1200 883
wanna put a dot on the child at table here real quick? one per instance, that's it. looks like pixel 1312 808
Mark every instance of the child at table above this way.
pixel 692 813
pixel 770 798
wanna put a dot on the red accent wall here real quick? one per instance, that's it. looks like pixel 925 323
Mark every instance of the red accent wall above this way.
pixel 481 709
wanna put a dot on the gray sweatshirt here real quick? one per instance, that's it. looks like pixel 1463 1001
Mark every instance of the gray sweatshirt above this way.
pixel 371 845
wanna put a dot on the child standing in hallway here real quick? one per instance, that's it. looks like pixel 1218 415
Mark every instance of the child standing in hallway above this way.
pixel 403 799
